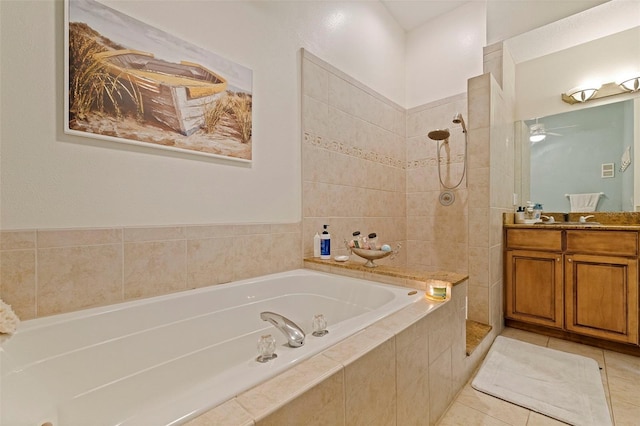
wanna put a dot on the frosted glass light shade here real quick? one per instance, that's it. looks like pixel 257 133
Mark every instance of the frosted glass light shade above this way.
pixel 583 95
pixel 631 85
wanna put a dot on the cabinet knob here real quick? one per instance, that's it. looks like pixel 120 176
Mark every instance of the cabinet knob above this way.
pixel 570 260
pixel 558 259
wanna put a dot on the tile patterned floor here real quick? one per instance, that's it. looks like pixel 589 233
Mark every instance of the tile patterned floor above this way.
pixel 620 377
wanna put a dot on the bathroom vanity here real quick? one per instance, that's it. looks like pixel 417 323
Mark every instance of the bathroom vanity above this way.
pixel 574 281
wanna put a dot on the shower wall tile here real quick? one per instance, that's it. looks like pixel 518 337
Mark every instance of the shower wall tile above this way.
pixel 315 81
pixel 479 262
pixel 479 155
pixel 478 227
pixel 317 119
pixel 354 168
pixel 479 101
pixel 479 303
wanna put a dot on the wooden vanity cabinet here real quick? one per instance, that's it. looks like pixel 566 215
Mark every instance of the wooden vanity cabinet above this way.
pixel 601 284
pixel 534 275
pixel 579 281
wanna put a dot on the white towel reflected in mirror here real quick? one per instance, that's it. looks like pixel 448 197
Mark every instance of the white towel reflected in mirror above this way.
pixel 587 202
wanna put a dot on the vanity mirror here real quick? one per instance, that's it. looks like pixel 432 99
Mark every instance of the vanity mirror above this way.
pixel 589 150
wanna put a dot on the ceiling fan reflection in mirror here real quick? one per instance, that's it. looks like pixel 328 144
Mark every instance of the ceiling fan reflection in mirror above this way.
pixel 538 132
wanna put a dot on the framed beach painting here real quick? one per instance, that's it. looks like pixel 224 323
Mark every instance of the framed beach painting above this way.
pixel 129 82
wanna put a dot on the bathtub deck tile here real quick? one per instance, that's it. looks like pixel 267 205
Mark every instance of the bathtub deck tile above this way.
pixel 228 413
pixel 361 343
pixel 268 397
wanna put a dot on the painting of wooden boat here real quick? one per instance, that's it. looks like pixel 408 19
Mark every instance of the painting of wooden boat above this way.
pixel 175 94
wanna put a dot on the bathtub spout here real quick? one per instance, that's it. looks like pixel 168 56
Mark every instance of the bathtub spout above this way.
pixel 293 333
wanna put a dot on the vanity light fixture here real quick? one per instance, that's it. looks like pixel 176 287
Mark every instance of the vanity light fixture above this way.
pixel 631 85
pixel 587 93
pixel 582 94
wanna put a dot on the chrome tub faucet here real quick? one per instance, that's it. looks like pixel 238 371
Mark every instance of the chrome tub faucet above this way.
pixel 292 332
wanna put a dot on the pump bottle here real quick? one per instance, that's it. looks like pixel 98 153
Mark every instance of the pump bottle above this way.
pixel 325 244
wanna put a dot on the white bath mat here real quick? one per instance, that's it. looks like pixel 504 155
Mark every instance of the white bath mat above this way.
pixel 557 384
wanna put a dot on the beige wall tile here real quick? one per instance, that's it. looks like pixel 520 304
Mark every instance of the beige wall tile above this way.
pixel 315 81
pixel 154 268
pixel 78 237
pixel 323 404
pixel 478 303
pixel 18 281
pixel 286 252
pixel 412 374
pixel 154 233
pixel 72 278
pixel 252 256
pixel 440 385
pixel 210 261
pixel 13 240
pixel 371 398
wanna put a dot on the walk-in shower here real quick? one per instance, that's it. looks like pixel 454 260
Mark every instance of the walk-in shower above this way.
pixel 443 135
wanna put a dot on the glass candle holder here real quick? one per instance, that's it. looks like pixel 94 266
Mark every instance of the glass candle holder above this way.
pixel 437 290
pixel 266 348
pixel 319 325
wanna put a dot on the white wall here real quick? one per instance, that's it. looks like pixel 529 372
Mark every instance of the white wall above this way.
pixel 53 180
pixel 443 53
pixel 508 18
pixel 540 82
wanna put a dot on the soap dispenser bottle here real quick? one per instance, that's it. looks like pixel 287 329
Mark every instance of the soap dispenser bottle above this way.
pixel 325 244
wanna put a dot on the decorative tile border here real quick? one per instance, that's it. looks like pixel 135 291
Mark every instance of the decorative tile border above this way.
pixel 357 152
pixel 352 151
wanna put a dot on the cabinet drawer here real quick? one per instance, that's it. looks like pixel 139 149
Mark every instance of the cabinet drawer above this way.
pixel 610 243
pixel 534 239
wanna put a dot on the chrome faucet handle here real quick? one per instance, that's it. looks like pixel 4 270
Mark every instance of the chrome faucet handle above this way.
pixel 294 334
pixel 550 219
pixel 583 219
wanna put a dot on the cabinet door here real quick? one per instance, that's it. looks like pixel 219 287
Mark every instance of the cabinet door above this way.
pixel 534 291
pixel 602 296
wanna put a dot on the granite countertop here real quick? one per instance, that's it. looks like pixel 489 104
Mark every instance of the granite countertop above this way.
pixel 573 225
pixel 624 221
pixel 356 263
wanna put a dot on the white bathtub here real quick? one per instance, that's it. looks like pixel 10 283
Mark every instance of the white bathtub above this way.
pixel 165 360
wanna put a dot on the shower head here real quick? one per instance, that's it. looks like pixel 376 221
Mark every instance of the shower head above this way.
pixel 439 134
pixel 457 119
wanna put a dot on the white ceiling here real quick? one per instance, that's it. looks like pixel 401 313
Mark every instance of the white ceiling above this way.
pixel 411 14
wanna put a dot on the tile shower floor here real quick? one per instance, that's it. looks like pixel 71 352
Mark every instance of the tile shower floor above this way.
pixel 620 377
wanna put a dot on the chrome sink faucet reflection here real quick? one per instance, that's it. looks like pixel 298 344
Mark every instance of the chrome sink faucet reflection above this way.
pixel 293 333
